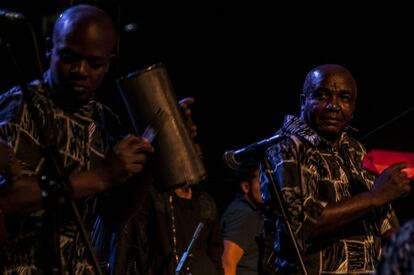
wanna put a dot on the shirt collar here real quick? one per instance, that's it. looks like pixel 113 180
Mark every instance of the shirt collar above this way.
pixel 294 125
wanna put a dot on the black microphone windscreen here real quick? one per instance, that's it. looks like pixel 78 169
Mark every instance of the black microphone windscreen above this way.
pixel 12 16
pixel 230 160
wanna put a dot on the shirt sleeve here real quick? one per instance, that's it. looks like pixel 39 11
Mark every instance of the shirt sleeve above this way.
pixel 237 225
pixel 297 183
pixel 10 106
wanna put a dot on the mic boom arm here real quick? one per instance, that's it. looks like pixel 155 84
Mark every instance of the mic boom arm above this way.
pixel 233 158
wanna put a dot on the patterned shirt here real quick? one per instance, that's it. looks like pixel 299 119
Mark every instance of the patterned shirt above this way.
pixel 311 173
pixel 398 254
pixel 82 139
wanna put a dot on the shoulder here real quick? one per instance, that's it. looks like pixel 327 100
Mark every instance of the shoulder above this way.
pixel 354 143
pixel 356 147
pixel 238 209
pixel 110 121
pixel 107 113
pixel 10 104
pixel 208 208
pixel 287 148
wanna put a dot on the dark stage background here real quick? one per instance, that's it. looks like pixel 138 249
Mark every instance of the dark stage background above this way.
pixel 244 64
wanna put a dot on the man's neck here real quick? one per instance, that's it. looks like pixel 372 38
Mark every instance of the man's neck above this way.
pixel 250 201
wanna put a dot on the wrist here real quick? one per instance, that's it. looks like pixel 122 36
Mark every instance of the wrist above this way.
pixel 373 199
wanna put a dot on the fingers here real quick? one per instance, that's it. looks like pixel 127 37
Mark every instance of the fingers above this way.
pixel 399 176
pixel 186 101
pixel 131 153
pixel 132 143
pixel 397 171
pixel 396 167
pixel 392 183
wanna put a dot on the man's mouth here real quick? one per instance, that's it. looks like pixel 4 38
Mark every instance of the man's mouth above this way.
pixel 79 88
pixel 330 120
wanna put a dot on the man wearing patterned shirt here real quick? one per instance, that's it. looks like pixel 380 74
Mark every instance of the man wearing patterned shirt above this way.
pixel 338 211
pixel 86 136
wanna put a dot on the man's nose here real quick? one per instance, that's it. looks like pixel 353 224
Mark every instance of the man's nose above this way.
pixel 80 67
pixel 333 103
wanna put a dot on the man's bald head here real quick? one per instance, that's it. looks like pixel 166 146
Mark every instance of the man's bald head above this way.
pixel 323 72
pixel 328 100
pixel 80 53
pixel 81 16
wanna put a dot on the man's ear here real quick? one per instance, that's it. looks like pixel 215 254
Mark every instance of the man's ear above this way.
pixel 49 47
pixel 112 62
pixel 244 186
pixel 302 101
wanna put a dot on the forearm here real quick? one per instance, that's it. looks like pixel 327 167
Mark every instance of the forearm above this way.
pixel 229 267
pixel 231 256
pixel 24 194
pixel 336 215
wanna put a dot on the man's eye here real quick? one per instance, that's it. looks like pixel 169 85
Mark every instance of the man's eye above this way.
pixel 320 95
pixel 67 57
pixel 96 64
pixel 346 98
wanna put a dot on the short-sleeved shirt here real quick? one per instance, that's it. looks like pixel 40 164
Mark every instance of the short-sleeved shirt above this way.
pixel 398 254
pixel 311 173
pixel 241 223
pixel 82 139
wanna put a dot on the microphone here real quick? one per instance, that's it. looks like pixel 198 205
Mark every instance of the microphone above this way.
pixel 233 158
pixel 12 16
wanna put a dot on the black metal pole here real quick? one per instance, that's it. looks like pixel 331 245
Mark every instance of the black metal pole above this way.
pixel 277 196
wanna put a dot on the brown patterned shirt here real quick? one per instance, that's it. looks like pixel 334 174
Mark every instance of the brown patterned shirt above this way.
pixel 82 139
pixel 311 173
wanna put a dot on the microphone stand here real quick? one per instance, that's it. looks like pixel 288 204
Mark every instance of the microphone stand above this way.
pixel 182 265
pixel 276 194
pixel 55 184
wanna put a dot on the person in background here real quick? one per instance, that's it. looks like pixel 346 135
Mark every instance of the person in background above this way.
pixel 242 223
pixel 398 254
pixel 160 231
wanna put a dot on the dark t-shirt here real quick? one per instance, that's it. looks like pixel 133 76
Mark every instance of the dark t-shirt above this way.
pixel 241 223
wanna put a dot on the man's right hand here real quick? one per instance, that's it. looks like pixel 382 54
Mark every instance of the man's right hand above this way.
pixel 391 184
pixel 128 158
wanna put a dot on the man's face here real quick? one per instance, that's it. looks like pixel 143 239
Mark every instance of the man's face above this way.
pixel 80 57
pixel 329 104
pixel 254 192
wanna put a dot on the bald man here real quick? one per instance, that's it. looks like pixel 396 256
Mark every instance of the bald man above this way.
pixel 338 211
pixel 85 133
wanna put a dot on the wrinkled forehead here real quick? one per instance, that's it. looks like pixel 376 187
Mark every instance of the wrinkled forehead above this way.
pixel 331 80
pixel 90 33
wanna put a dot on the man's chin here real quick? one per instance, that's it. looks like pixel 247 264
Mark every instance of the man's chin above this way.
pixel 330 133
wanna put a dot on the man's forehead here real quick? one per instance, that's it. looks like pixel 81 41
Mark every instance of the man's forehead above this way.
pixel 335 80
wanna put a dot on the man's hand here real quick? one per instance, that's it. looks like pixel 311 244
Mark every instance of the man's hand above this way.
pixel 391 184
pixel 128 158
pixel 184 104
